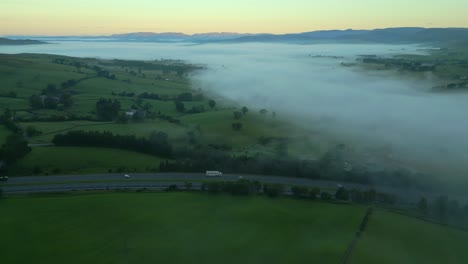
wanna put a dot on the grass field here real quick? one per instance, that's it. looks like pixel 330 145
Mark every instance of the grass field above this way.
pixel 30 74
pixel 71 160
pixel 174 228
pixel 393 238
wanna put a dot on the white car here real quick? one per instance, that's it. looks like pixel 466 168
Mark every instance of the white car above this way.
pixel 127 176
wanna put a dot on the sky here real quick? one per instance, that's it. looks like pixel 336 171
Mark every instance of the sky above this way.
pixel 103 17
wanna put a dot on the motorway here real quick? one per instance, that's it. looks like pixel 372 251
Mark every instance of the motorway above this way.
pixel 64 183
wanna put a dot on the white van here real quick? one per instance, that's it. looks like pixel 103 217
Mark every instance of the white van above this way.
pixel 214 174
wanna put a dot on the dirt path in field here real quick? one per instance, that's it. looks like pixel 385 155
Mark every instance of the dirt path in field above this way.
pixel 362 228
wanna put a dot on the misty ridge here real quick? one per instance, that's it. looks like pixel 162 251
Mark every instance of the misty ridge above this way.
pixel 387 119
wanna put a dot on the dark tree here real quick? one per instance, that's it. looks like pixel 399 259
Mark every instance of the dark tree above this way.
pixel 263 111
pixel 180 107
pixel 107 109
pixel 212 103
pixel 244 110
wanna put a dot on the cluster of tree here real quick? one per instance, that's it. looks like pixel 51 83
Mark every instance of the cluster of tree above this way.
pixel 107 109
pixel 51 97
pixel 8 120
pixel 57 118
pixel 68 83
pixel 14 149
pixel 157 144
pixel 165 66
pixel 169 119
pixel 199 158
pixel 180 107
pixel 241 187
pixel 401 64
pixel 104 73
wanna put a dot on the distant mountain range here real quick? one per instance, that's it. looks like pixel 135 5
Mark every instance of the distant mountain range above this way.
pixel 174 36
pixel 387 35
pixel 5 41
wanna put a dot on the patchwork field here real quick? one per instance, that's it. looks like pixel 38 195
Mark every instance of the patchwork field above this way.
pixel 174 228
pixel 393 238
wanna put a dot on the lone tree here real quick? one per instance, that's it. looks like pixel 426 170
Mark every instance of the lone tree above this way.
pixel 263 111
pixel 212 103
pixel 244 110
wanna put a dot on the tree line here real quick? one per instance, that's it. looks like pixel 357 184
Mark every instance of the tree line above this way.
pixel 157 144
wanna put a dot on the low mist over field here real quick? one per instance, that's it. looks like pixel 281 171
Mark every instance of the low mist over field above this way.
pixel 388 118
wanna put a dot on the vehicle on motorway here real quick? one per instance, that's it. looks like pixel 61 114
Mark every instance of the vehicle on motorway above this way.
pixel 3 178
pixel 214 174
pixel 126 176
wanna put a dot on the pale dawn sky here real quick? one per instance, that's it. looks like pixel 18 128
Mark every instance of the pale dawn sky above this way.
pixel 102 17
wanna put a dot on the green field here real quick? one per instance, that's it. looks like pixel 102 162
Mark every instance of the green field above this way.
pixel 25 75
pixel 76 160
pixel 393 238
pixel 174 228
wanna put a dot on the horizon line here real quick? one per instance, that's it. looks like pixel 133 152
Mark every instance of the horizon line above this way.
pixel 217 32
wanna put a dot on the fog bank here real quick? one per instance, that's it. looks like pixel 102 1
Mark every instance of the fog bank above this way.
pixel 388 117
